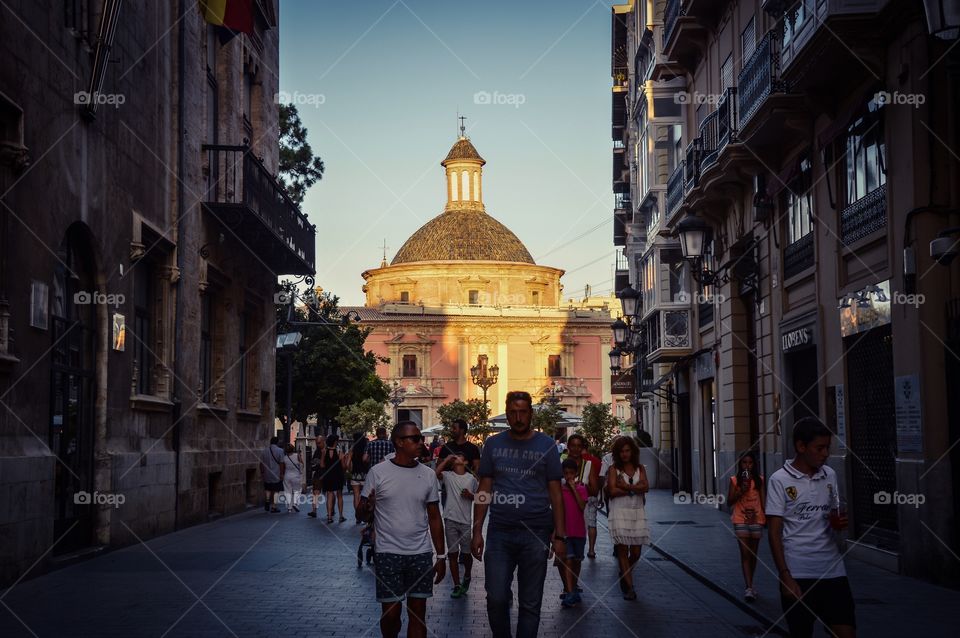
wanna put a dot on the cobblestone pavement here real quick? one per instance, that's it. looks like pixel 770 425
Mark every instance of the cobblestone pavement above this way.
pixel 701 538
pixel 279 575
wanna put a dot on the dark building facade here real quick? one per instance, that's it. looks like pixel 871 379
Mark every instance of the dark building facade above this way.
pixel 142 230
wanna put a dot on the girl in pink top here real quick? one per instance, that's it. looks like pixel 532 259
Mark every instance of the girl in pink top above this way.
pixel 746 501
pixel 574 501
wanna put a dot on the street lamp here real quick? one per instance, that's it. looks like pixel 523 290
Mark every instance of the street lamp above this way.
pixel 484 376
pixel 397 395
pixel 628 339
pixel 287 344
pixel 694 236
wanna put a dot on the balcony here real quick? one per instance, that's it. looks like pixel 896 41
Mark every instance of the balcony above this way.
pixel 246 198
pixel 798 256
pixel 691 163
pixel 668 333
pixel 684 35
pixel 618 113
pixel 864 217
pixel 675 191
pixel 620 220
pixel 621 276
pixel 758 79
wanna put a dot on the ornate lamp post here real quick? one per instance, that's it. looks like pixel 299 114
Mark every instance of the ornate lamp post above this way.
pixel 628 339
pixel 397 394
pixel 484 376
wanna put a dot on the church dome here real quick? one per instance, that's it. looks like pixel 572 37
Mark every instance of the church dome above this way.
pixel 463 149
pixel 463 234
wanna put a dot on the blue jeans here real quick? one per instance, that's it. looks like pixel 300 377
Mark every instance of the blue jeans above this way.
pixel 526 552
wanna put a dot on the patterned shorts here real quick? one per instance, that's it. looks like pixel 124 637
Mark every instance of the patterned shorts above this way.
pixel 401 575
pixel 590 512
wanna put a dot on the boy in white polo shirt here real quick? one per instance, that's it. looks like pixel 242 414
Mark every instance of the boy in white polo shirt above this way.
pixel 800 497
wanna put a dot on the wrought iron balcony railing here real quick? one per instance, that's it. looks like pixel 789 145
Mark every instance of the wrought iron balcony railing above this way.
pixel 691 165
pixel 244 196
pixel 798 256
pixel 864 216
pixel 675 190
pixel 759 78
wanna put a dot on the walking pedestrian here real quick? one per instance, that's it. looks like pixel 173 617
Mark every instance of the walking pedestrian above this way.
pixel 574 502
pixel 379 447
pixel 461 488
pixel 803 514
pixel 332 467
pixel 626 486
pixel 271 469
pixel 459 445
pixel 359 466
pixel 292 478
pixel 402 495
pixel 520 485
pixel 588 473
pixel 745 496
pixel 317 473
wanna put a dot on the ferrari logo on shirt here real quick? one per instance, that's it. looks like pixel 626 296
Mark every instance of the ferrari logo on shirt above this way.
pixel 792 492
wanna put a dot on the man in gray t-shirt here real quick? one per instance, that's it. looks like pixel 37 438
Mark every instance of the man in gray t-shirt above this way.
pixel 271 469
pixel 520 484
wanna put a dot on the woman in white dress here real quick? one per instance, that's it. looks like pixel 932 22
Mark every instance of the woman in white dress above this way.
pixel 626 486
pixel 292 478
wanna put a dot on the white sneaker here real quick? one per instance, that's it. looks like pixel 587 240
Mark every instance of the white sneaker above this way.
pixel 750 595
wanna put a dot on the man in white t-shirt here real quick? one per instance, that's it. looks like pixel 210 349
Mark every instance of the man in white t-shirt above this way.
pixel 803 515
pixel 402 496
pixel 460 486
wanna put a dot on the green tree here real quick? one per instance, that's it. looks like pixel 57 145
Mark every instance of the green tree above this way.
pixel 474 411
pixel 364 417
pixel 598 426
pixel 299 168
pixel 546 416
pixel 331 368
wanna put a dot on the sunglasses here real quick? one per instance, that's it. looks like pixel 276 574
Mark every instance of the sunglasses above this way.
pixel 416 438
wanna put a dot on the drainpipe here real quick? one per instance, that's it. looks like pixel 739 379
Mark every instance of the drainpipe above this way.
pixel 181 252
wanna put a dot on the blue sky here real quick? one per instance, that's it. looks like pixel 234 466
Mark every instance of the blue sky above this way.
pixel 379 84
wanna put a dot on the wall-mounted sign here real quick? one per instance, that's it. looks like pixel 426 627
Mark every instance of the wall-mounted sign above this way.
pixel 864 309
pixel 622 383
pixel 797 339
pixel 909 416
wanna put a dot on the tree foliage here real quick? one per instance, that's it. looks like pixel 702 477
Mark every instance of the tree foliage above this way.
pixel 546 416
pixel 474 411
pixel 364 417
pixel 599 426
pixel 299 168
pixel 331 368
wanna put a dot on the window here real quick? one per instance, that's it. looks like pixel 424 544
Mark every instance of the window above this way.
pixel 865 153
pixel 242 364
pixel 410 365
pixel 726 73
pixel 554 367
pixel 748 41
pixel 799 205
pixel 248 104
pixel 677 270
pixel 206 348
pixel 143 314
pixel 405 296
pixel 535 298
pixel 473 297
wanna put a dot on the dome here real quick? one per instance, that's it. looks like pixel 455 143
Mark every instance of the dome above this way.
pixel 463 235
pixel 463 149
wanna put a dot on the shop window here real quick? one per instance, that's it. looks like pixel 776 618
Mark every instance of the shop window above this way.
pixel 554 366
pixel 410 365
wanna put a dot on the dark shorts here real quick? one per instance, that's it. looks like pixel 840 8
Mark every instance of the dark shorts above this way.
pixel 401 575
pixel 829 599
pixel 575 546
pixel 273 487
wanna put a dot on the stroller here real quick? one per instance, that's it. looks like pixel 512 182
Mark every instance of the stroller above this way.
pixel 366 540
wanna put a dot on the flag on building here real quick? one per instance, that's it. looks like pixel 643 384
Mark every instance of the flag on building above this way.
pixel 235 15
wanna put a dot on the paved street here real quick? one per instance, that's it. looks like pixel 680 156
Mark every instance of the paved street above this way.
pixel 258 574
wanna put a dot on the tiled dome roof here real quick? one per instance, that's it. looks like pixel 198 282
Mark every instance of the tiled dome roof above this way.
pixel 463 234
pixel 463 149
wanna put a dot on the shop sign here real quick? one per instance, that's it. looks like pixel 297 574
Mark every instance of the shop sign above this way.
pixel 796 339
